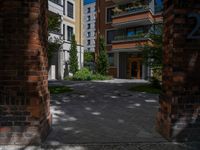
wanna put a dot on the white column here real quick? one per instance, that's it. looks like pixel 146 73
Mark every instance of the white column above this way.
pixel 60 64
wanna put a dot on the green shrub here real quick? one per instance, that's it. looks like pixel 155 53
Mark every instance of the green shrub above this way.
pixel 83 74
pixel 100 77
pixel 86 75
pixel 154 82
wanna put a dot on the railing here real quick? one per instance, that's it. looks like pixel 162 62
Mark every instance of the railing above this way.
pixel 133 37
pixel 56 2
pixel 130 10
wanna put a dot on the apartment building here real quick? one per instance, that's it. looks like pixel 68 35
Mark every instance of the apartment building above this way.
pixel 71 14
pixel 89 26
pixel 125 24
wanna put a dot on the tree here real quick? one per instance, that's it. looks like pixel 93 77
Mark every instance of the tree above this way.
pixel 88 57
pixel 73 59
pixel 54 43
pixel 153 52
pixel 102 61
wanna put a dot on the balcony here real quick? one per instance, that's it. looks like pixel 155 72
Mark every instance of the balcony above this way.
pixel 133 17
pixel 129 43
pixel 55 6
pixel 121 1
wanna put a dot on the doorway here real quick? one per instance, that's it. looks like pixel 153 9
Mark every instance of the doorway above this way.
pixel 134 68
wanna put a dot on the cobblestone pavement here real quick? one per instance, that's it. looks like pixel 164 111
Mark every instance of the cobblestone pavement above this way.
pixel 104 116
pixel 101 113
pixel 110 146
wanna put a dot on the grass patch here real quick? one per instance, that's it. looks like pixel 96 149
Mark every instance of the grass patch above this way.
pixel 59 89
pixel 148 88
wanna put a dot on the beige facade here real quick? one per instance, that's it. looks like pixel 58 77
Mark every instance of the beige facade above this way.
pixel 71 13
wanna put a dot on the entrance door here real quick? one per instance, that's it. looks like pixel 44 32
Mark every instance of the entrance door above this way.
pixel 134 70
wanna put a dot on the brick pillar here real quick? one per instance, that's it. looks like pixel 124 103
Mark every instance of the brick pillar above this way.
pixel 24 98
pixel 179 114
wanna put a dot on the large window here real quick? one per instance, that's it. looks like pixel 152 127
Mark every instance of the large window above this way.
pixel 110 36
pixel 70 10
pixel 109 14
pixel 69 33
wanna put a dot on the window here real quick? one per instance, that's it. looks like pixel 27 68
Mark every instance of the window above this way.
pixel 110 36
pixel 56 1
pixel 88 10
pixel 70 10
pixel 63 31
pixel 139 30
pixel 88 18
pixel 89 34
pixel 110 13
pixel 111 59
pixel 88 26
pixel 88 49
pixel 69 33
pixel 130 32
pixel 88 42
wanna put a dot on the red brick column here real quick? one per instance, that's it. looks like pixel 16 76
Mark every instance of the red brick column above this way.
pixel 179 114
pixel 24 98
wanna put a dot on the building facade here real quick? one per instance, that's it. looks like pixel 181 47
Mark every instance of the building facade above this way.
pixel 71 14
pixel 89 26
pixel 125 24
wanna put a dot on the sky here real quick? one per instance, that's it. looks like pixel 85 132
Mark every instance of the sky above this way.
pixel 89 1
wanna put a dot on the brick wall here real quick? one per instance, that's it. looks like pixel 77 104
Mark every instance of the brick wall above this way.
pixel 179 114
pixel 24 98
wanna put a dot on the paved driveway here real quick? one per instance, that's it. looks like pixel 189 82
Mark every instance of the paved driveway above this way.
pixel 105 114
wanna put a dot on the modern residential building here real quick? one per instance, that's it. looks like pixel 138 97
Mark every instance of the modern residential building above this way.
pixel 125 24
pixel 71 14
pixel 89 26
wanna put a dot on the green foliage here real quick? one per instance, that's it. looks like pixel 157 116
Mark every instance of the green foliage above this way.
pixel 102 61
pixel 59 89
pixel 83 74
pixel 54 44
pixel 152 53
pixel 100 77
pixel 88 57
pixel 86 75
pixel 73 59
pixel 155 83
pixel 54 22
pixel 148 88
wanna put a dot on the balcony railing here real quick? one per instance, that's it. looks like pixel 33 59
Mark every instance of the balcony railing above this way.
pixel 130 38
pixel 129 10
pixel 56 2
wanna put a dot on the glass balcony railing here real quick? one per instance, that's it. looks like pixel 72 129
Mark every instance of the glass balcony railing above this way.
pixel 130 37
pixel 56 2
